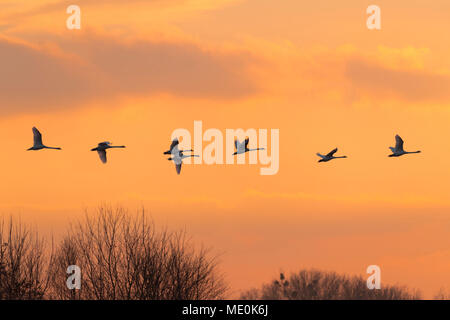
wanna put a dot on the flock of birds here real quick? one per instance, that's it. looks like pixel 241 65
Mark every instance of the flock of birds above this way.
pixel 178 155
pixel 101 147
pixel 397 151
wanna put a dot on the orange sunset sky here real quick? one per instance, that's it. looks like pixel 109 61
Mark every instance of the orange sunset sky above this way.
pixel 137 70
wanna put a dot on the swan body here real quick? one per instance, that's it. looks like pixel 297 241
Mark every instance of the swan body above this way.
pixel 398 150
pixel 242 147
pixel 101 149
pixel 329 156
pixel 37 141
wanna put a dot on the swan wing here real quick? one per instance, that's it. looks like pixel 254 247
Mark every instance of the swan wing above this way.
pixel 174 143
pixel 102 155
pixel 236 143
pixel 330 154
pixel 178 167
pixel 398 143
pixel 246 142
pixel 320 155
pixel 37 137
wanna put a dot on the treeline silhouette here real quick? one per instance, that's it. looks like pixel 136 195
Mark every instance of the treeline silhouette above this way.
pixel 320 285
pixel 121 256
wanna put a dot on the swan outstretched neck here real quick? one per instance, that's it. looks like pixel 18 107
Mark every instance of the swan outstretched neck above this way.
pixel 256 149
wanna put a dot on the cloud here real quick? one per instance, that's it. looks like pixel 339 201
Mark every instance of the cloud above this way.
pixel 60 6
pixel 32 79
pixel 180 68
pixel 94 67
pixel 378 81
pixel 348 73
pixel 28 10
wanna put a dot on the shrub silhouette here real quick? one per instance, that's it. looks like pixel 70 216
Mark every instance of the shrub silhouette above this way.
pixel 123 256
pixel 319 285
pixel 442 294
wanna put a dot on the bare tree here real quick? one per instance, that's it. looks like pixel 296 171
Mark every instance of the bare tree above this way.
pixel 23 262
pixel 319 285
pixel 123 256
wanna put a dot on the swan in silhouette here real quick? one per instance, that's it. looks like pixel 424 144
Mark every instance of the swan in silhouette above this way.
pixel 177 157
pixel 101 149
pixel 398 150
pixel 242 147
pixel 174 147
pixel 330 156
pixel 37 141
